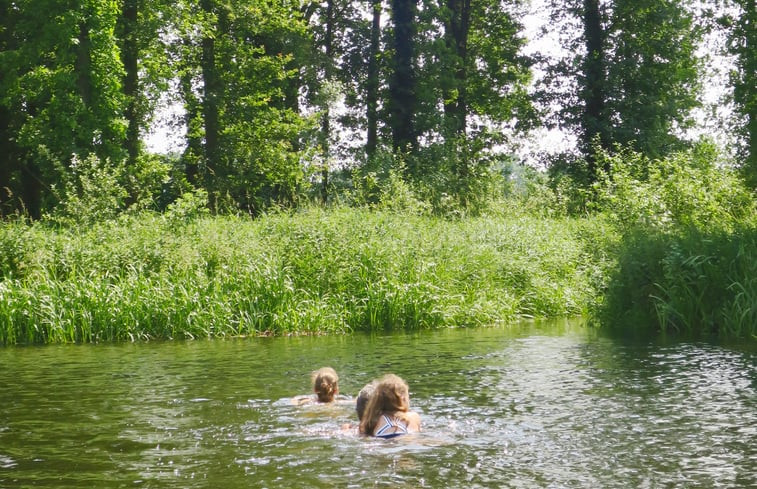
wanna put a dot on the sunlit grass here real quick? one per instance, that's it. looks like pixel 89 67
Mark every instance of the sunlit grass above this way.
pixel 312 272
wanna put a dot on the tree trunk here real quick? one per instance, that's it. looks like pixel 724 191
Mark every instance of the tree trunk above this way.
pixel 456 31
pixel 129 58
pixel 593 123
pixel 372 83
pixel 402 85
pixel 211 94
pixel 326 118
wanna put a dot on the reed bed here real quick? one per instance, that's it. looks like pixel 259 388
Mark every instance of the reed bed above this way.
pixel 316 271
pixel 694 283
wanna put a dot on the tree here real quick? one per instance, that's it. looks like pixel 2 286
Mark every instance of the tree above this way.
pixel 402 84
pixel 472 67
pixel 653 73
pixel 636 75
pixel 743 45
pixel 61 95
pixel 593 85
pixel 236 72
pixel 373 81
pixel 141 32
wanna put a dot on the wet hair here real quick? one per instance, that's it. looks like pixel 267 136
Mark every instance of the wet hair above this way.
pixel 363 397
pixel 391 395
pixel 325 384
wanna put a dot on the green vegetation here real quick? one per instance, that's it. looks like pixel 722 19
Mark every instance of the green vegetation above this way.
pixel 688 257
pixel 662 246
pixel 401 121
pixel 152 276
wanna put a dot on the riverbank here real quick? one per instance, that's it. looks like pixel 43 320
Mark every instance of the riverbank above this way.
pixel 316 271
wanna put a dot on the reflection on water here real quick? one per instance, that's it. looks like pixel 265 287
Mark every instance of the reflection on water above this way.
pixel 536 406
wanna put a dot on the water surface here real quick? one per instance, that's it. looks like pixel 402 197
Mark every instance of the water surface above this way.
pixel 551 405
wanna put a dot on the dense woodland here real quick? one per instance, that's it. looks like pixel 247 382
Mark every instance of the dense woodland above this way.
pixel 375 145
pixel 291 100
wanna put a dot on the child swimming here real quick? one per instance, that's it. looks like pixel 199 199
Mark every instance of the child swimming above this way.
pixel 325 385
pixel 388 411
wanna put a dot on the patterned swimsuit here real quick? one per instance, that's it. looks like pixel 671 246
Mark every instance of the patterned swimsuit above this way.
pixel 391 428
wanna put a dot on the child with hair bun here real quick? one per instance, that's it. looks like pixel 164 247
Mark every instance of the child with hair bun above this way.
pixel 325 385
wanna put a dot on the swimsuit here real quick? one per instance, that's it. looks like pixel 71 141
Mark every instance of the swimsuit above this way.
pixel 391 428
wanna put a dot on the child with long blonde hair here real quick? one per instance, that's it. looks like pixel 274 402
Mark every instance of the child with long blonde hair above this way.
pixel 388 411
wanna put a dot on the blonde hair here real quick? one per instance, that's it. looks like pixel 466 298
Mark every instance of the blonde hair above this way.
pixel 325 384
pixel 390 396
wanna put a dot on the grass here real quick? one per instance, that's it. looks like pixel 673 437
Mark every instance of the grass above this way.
pixel 692 282
pixel 340 270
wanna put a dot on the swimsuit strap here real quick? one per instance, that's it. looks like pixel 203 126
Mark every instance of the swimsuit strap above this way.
pixel 389 423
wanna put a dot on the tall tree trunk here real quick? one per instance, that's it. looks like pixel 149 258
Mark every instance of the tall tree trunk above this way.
pixel 211 93
pixel 456 30
pixel 402 85
pixel 593 123
pixel 129 57
pixel 326 118
pixel 372 83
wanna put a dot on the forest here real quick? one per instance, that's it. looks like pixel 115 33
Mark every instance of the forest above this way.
pixel 299 123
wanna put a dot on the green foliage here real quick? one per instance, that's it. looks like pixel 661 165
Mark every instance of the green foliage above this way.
pixel 90 192
pixel 152 276
pixel 742 39
pixel 190 205
pixel 633 78
pixel 687 190
pixel 687 258
pixel 694 283
pixel 653 74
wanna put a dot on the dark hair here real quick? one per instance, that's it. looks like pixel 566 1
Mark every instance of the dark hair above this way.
pixel 363 397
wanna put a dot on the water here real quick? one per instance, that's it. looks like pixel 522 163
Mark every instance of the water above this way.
pixel 535 406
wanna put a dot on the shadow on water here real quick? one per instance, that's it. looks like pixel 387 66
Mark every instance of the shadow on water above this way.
pixel 538 405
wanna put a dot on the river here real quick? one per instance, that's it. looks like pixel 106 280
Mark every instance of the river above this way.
pixel 536 405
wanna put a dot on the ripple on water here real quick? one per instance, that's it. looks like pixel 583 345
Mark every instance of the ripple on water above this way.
pixel 498 410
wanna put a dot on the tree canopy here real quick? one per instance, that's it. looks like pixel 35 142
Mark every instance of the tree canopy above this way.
pixel 284 99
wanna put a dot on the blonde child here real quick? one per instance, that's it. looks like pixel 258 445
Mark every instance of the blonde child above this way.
pixel 388 411
pixel 325 385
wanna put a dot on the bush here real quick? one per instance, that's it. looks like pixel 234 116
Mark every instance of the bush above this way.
pixel 686 263
pixel 687 190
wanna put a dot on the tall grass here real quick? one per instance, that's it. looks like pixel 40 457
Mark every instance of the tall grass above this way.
pixel 316 271
pixel 688 259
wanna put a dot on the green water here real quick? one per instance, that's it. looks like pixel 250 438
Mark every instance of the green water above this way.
pixel 534 406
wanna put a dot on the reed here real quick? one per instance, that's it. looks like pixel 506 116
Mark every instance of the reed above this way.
pixel 315 271
pixel 696 283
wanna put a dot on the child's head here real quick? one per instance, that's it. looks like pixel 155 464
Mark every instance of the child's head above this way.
pixel 325 384
pixel 363 397
pixel 391 395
